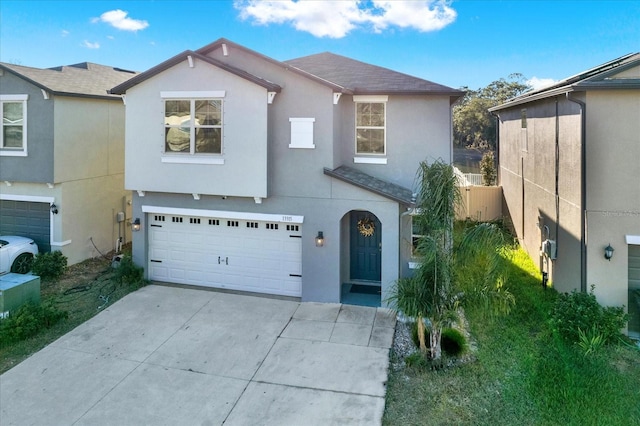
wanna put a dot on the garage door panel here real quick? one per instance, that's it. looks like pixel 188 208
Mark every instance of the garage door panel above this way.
pixel 225 253
pixel 27 219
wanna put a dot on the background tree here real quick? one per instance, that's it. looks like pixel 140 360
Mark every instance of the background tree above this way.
pixel 473 125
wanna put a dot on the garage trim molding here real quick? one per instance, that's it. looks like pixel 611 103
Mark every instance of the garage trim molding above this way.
pixel 38 199
pixel 34 198
pixel 224 214
pixel 633 239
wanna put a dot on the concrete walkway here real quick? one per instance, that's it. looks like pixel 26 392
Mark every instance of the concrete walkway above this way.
pixel 175 356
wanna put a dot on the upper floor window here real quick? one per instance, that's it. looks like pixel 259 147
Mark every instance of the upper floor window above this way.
pixel 13 138
pixel 370 127
pixel 193 126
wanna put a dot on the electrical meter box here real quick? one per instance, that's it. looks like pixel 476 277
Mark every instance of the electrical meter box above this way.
pixel 16 290
pixel 550 249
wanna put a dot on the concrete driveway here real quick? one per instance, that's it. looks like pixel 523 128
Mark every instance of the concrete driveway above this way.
pixel 175 356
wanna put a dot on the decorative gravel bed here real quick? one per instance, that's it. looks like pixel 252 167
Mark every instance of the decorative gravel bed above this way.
pixel 403 345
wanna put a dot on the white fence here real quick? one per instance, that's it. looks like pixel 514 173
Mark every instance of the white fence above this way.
pixel 481 203
pixel 467 179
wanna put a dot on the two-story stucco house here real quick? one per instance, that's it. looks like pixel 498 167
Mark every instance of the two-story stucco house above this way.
pixel 569 166
pixel 289 178
pixel 62 158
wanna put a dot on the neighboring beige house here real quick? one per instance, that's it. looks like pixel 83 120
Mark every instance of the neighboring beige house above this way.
pixel 569 165
pixel 62 158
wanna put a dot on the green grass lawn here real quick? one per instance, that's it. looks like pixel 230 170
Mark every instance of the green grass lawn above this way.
pixel 84 291
pixel 521 375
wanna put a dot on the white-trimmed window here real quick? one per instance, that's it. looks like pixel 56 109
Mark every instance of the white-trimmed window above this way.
pixel 193 123
pixel 302 133
pixel 370 125
pixel 13 138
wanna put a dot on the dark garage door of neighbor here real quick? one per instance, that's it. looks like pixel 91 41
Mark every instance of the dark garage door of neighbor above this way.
pixel 26 219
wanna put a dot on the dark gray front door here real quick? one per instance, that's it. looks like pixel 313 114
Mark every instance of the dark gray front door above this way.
pixel 366 248
pixel 26 219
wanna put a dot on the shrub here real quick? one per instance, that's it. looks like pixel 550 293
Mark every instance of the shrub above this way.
pixel 50 266
pixel 488 168
pixel 28 320
pixel 591 341
pixel 128 272
pixel 416 360
pixel 578 312
pixel 453 342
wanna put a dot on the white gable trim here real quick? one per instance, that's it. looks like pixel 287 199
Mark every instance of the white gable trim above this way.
pixel 14 97
pixel 370 98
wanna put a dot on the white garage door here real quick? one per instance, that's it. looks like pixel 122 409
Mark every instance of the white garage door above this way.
pixel 237 254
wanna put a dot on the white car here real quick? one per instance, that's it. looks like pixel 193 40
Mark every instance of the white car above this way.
pixel 16 254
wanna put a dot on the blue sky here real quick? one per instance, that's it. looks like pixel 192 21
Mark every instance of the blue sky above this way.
pixel 456 43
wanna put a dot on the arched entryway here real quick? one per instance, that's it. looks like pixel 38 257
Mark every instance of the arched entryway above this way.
pixel 363 247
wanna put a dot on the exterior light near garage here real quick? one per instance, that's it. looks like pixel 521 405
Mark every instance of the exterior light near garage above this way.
pixel 319 239
pixel 135 225
pixel 54 208
pixel 608 252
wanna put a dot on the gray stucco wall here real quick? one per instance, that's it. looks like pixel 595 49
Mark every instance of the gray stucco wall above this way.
pixel 37 166
pixel 528 175
pixel 322 267
pixel 244 145
pixel 417 129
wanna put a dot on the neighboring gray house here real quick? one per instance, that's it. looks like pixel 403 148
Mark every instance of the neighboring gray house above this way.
pixel 62 157
pixel 288 178
pixel 569 169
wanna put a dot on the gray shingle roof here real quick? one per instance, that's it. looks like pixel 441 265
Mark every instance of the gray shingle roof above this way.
pixel 378 186
pixel 363 78
pixel 594 78
pixel 122 88
pixel 83 79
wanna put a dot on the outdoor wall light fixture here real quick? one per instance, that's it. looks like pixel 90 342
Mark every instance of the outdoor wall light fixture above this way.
pixel 319 239
pixel 54 208
pixel 608 252
pixel 135 225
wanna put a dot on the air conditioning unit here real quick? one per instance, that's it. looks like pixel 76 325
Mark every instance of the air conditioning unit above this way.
pixel 16 290
pixel 550 249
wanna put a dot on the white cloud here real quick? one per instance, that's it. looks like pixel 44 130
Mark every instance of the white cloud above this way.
pixel 336 19
pixel 64 33
pixel 90 45
pixel 539 83
pixel 118 19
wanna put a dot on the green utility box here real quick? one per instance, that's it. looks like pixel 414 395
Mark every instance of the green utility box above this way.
pixel 16 290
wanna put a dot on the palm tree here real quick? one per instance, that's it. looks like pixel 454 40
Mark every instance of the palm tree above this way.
pixel 440 284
